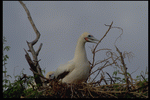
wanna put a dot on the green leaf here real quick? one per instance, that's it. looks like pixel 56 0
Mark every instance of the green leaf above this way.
pixel 4 71
pixel 9 76
pixel 6 56
pixel 5 59
pixel 115 73
pixel 6 48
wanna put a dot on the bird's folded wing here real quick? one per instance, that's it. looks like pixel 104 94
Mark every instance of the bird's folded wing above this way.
pixel 64 70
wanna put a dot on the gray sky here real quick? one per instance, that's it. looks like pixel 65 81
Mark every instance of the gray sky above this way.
pixel 62 22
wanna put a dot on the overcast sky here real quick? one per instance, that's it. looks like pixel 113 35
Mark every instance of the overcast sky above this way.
pixel 62 22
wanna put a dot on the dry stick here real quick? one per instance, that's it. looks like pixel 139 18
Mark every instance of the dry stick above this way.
pixel 31 64
pixel 143 77
pixel 119 35
pixel 71 91
pixel 125 68
pixel 32 23
pixel 99 71
pixel 104 66
pixel 99 42
pixel 110 78
pixel 92 65
pixel 102 49
pixel 104 79
pixel 89 91
pixel 98 62
pixel 30 45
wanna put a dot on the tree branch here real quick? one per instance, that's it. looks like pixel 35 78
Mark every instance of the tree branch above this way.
pixel 99 42
pixel 34 65
pixel 32 23
pixel 37 52
pixel 124 67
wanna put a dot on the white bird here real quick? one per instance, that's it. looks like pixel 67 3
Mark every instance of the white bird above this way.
pixel 76 70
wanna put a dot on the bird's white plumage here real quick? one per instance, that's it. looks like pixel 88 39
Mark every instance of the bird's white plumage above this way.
pixel 78 68
pixel 67 67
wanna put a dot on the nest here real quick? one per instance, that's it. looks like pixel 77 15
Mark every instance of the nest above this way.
pixel 94 90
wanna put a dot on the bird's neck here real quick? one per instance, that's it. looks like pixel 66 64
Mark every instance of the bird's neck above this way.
pixel 80 53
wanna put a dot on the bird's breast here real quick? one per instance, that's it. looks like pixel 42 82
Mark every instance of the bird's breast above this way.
pixel 79 74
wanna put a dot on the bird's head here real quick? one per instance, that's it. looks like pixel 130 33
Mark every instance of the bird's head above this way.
pixel 50 75
pixel 89 38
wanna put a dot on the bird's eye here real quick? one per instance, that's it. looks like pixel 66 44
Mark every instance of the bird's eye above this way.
pixel 89 35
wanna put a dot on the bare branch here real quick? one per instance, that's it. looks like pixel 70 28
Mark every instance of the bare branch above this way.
pixel 34 65
pixel 99 42
pixel 32 23
pixel 98 62
pixel 110 78
pixel 100 68
pixel 102 49
pixel 124 66
pixel 99 71
pixel 37 52
pixel 119 35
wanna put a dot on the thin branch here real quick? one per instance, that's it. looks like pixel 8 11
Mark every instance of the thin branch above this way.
pixel 143 77
pixel 99 71
pixel 119 35
pixel 102 49
pixel 32 23
pixel 110 78
pixel 99 61
pixel 135 70
pixel 104 35
pixel 124 66
pixel 37 52
pixel 99 42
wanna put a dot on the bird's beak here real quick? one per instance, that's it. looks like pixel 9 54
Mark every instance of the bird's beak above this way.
pixel 92 40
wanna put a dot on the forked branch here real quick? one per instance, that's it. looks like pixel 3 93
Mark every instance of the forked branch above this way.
pixel 94 50
pixel 32 23
pixel 34 64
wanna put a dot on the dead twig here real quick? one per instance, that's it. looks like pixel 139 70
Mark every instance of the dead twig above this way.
pixel 102 49
pixel 99 42
pixel 110 78
pixel 99 71
pixel 119 35
pixel 124 66
pixel 32 23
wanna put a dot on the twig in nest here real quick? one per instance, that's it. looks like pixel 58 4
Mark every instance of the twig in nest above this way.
pixel 129 55
pixel 99 71
pixel 124 66
pixel 143 77
pixel 110 78
pixel 39 74
pixel 71 91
